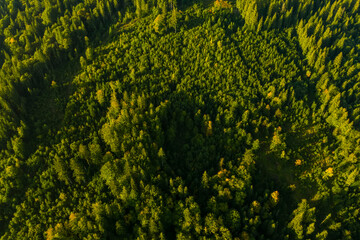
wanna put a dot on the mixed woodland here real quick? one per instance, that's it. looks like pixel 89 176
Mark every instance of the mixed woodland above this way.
pixel 179 119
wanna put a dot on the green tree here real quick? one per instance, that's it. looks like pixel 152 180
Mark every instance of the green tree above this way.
pixel 303 222
pixel 173 19
pixel 61 169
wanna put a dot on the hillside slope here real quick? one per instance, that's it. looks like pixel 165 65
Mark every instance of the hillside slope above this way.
pixel 165 120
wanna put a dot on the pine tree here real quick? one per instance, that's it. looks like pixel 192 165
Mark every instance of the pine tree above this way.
pixel 303 220
pixel 173 19
pixel 338 60
pixel 61 169
pixel 159 23
pixel 78 170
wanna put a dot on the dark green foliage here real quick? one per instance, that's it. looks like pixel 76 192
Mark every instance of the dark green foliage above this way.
pixel 164 119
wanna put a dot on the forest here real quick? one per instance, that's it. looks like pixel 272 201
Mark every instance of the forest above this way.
pixel 179 119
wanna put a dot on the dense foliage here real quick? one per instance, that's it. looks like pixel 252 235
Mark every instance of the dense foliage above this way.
pixel 164 119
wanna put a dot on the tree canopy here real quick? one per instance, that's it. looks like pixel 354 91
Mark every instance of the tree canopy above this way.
pixel 165 119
